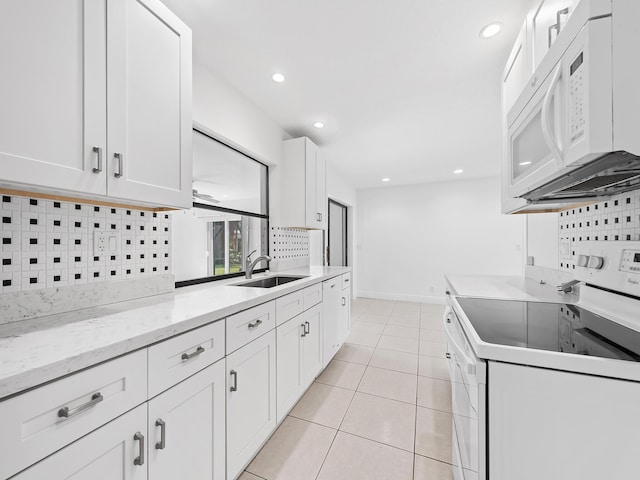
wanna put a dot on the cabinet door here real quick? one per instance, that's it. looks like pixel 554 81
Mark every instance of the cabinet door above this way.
pixel 108 453
pixel 53 93
pixel 251 400
pixel 331 299
pixel 312 345
pixel 187 428
pixel 149 104
pixel 545 27
pixel 313 218
pixel 345 318
pixel 321 189
pixel 289 340
pixel 516 72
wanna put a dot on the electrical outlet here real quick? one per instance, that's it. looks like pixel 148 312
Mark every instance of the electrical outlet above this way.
pixel 100 242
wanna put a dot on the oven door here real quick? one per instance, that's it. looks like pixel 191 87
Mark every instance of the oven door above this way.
pixel 468 387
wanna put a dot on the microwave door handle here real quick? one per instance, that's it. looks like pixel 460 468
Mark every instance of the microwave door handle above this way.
pixel 471 365
pixel 547 129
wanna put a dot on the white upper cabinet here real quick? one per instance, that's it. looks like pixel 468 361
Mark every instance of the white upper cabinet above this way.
pixel 304 192
pixel 517 71
pixel 98 101
pixel 548 18
pixel 53 94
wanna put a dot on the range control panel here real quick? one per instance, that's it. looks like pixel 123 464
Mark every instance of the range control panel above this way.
pixel 630 261
pixel 612 265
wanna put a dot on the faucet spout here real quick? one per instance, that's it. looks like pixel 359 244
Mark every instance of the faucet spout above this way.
pixel 251 265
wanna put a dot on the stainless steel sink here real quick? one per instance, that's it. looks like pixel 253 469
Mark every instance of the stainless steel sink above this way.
pixel 269 282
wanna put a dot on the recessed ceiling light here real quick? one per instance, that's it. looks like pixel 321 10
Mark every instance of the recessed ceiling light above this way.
pixel 278 77
pixel 319 125
pixel 522 164
pixel 491 30
pixel 458 171
pixel 386 179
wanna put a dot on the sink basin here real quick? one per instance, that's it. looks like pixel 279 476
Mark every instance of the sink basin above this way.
pixel 269 282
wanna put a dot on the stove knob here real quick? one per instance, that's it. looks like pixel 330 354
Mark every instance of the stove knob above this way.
pixel 582 260
pixel 595 262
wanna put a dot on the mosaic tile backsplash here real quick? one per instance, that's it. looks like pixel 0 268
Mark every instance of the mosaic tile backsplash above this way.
pixel 615 219
pixel 47 244
pixel 289 248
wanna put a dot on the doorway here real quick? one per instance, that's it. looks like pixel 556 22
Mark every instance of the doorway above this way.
pixel 337 245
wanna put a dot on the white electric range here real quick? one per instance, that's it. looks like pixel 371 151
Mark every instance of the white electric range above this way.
pixel 550 390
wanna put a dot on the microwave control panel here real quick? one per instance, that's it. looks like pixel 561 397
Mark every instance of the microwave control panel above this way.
pixel 576 99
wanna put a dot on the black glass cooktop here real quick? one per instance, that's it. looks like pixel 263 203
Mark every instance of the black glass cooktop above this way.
pixel 550 326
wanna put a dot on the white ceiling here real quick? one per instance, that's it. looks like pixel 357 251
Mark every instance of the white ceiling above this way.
pixel 407 88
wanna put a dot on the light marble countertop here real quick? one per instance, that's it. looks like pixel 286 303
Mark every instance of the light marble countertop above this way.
pixel 36 351
pixel 507 288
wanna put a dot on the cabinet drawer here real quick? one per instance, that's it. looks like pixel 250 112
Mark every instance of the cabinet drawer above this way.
pixel 174 360
pixel 34 424
pixel 346 280
pixel 289 306
pixel 312 295
pixel 250 324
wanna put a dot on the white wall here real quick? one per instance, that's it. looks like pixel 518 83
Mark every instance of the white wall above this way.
pixel 543 237
pixel 409 237
pixel 232 118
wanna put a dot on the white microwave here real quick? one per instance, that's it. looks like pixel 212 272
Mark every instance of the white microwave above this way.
pixel 574 132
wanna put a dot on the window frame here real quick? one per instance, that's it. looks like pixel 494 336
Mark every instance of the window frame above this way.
pixel 226 276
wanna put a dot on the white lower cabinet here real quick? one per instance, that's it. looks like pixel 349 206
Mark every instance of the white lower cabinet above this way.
pixel 345 314
pixel 187 428
pixel 299 357
pixel 331 306
pixel 251 400
pixel 116 451
pixel 289 340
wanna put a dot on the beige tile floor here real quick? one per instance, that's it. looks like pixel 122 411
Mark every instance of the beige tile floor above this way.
pixel 380 410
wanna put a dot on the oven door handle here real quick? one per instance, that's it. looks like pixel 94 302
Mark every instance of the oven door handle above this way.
pixel 547 128
pixel 471 365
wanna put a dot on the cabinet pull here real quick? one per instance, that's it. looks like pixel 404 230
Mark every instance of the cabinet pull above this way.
pixel 559 14
pixel 66 412
pixel 555 27
pixel 119 157
pixel 448 355
pixel 255 324
pixel 307 328
pixel 234 387
pixel 188 356
pixel 346 280
pixel 304 330
pixel 163 431
pixel 98 150
pixel 139 460
pixel 344 301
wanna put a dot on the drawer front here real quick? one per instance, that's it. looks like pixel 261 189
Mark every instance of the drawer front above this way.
pixel 346 280
pixel 180 357
pixel 289 306
pixel 246 326
pixel 34 424
pixel 312 295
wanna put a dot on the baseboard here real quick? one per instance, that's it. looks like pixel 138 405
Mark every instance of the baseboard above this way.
pixel 440 300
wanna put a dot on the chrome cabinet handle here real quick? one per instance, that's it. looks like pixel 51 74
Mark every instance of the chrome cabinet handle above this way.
pixel 255 324
pixel 163 431
pixel 559 13
pixel 188 356
pixel 344 301
pixel 307 328
pixel 448 355
pixel 555 27
pixel 66 412
pixel 139 460
pixel 234 387
pixel 346 280
pixel 304 330
pixel 319 217
pixel 98 150
pixel 119 157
